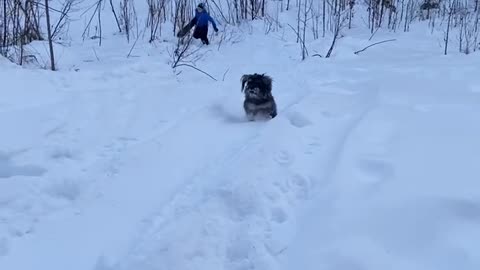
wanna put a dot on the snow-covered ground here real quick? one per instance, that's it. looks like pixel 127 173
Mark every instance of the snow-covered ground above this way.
pixel 115 163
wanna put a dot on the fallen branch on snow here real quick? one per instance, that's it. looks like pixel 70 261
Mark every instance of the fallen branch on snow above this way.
pixel 380 42
pixel 224 74
pixel 187 65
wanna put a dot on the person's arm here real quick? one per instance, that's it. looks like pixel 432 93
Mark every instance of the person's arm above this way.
pixel 213 23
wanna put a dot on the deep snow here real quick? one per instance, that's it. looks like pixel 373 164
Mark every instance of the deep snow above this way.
pixel 116 163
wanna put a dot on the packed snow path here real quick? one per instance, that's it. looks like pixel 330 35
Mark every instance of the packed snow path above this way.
pixel 370 164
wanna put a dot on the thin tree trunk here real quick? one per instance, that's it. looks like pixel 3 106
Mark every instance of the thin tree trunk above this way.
pixel 447 34
pixel 324 10
pixel 115 15
pixel 338 26
pixel 49 32
pixel 462 26
pixel 99 23
pixel 4 45
pixel 298 19
pixel 382 9
pixel 253 9
pixel 26 31
pixel 305 16
pixel 263 8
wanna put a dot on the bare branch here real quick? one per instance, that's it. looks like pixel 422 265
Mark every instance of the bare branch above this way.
pixel 225 74
pixel 115 15
pixel 131 49
pixel 376 43
pixel 187 65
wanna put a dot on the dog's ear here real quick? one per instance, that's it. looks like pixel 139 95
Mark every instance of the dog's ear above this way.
pixel 244 80
pixel 267 80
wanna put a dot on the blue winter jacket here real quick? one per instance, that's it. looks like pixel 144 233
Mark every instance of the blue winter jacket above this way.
pixel 202 19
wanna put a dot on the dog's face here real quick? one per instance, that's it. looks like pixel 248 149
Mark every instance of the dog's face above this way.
pixel 257 86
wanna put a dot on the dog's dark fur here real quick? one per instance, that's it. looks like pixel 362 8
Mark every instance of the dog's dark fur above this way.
pixel 258 96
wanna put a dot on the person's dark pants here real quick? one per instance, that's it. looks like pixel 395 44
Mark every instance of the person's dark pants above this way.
pixel 201 32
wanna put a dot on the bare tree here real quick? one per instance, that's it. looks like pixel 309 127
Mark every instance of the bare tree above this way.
pixel 98 28
pixel 182 14
pixel 449 23
pixel 303 21
pixel 340 23
pixel 468 32
pixel 351 5
pixel 115 16
pixel 5 28
pixel 476 27
pixel 63 20
pixel 410 14
pixel 50 41
pixel 315 17
pixel 128 18
pixel 218 11
pixel 182 52
pixel 324 17
pixel 252 9
pixel 185 56
pixel 155 16
pixel 376 13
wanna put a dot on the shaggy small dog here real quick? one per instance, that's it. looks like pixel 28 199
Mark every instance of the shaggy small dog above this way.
pixel 258 96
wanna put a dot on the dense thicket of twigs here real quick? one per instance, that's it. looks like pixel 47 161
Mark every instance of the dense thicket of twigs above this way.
pixel 24 21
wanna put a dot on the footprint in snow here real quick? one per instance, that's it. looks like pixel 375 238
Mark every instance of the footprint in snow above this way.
pixel 63 154
pixel 242 201
pixel 301 186
pixel 465 209
pixel 247 249
pixel 8 169
pixel 295 185
pixel 284 158
pixel 377 170
pixel 4 246
pixel 278 215
pixel 279 232
pixel 65 189
pixel 298 120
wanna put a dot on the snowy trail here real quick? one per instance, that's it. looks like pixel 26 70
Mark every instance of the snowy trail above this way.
pixel 136 144
pixel 244 215
pixel 136 183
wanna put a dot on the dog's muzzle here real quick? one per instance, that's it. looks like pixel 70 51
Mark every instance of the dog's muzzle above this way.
pixel 253 92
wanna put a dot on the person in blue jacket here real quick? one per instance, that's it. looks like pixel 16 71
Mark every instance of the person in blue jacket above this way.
pixel 201 24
